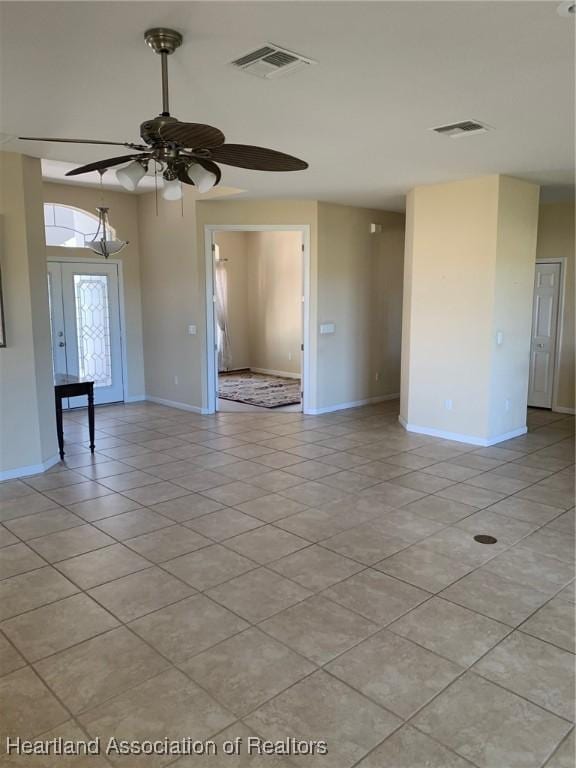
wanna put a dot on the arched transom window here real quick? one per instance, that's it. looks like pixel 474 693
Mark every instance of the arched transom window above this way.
pixel 70 227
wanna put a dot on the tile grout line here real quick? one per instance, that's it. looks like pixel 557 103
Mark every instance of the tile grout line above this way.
pixel 315 593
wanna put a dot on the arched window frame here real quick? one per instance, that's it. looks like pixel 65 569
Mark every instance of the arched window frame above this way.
pixel 79 237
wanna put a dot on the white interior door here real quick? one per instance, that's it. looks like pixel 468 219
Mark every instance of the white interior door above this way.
pixel 544 329
pixel 86 329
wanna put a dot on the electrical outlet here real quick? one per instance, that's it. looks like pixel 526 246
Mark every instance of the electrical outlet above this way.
pixel 377 377
pixel 289 355
pixel 448 405
pixel 506 405
pixel 176 380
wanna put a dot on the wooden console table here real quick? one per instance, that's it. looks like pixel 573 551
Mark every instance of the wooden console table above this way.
pixel 71 386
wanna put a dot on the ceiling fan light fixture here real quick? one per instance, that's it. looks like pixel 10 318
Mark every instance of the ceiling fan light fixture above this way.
pixel 203 180
pixel 131 175
pixel 172 190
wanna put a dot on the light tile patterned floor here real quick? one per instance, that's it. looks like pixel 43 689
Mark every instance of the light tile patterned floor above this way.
pixel 293 576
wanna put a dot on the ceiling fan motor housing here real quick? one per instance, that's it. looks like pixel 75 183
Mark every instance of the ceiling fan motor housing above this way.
pixel 150 129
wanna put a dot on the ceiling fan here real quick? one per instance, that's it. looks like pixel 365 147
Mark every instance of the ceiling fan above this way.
pixel 185 152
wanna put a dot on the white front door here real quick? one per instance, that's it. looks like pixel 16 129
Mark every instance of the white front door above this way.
pixel 86 330
pixel 544 329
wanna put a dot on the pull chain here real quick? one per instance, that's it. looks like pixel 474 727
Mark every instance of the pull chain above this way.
pixel 156 186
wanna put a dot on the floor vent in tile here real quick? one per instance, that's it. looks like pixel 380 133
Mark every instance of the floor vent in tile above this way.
pixel 483 539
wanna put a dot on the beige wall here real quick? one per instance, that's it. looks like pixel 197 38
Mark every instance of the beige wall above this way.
pixel 514 289
pixel 449 271
pixel 387 285
pixel 470 252
pixel 264 289
pixel 355 282
pixel 124 219
pixel 360 290
pixel 172 255
pixel 275 300
pixel 172 299
pixel 27 420
pixel 556 240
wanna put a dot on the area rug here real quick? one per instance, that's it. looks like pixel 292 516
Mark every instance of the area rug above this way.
pixel 258 389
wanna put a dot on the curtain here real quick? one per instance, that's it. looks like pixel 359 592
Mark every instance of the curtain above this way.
pixel 223 337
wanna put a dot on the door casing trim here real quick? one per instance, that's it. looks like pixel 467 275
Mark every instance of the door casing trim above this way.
pixel 308 372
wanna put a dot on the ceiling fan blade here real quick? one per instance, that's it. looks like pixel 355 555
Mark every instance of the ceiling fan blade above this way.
pixel 102 165
pixel 193 135
pixel 207 164
pixel 85 141
pixel 256 158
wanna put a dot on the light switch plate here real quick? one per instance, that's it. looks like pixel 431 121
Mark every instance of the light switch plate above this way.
pixel 326 328
pixel 192 330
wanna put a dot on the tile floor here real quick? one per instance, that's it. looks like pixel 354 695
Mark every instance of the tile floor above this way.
pixel 293 576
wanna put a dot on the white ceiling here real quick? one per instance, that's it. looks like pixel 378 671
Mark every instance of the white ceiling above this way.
pixel 387 72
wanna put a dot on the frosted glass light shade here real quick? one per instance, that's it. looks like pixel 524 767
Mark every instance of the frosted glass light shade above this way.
pixel 130 175
pixel 106 248
pixel 203 180
pixel 172 190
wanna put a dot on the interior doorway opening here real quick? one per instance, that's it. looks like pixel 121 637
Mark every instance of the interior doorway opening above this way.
pixel 257 319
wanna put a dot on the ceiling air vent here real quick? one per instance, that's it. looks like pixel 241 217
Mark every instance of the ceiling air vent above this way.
pixel 271 61
pixel 465 128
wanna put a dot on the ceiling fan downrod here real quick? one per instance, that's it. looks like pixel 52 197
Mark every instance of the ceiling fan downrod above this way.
pixel 164 42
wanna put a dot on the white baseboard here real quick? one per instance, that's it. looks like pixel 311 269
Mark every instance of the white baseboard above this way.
pixel 175 404
pixel 354 404
pixel 31 469
pixel 270 372
pixel 484 442
pixel 563 409
pixel 135 398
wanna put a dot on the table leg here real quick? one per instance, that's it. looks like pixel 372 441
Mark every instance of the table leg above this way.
pixel 59 427
pixel 91 418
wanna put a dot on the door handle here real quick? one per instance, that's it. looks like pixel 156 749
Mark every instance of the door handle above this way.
pixel 540 346
pixel 61 343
